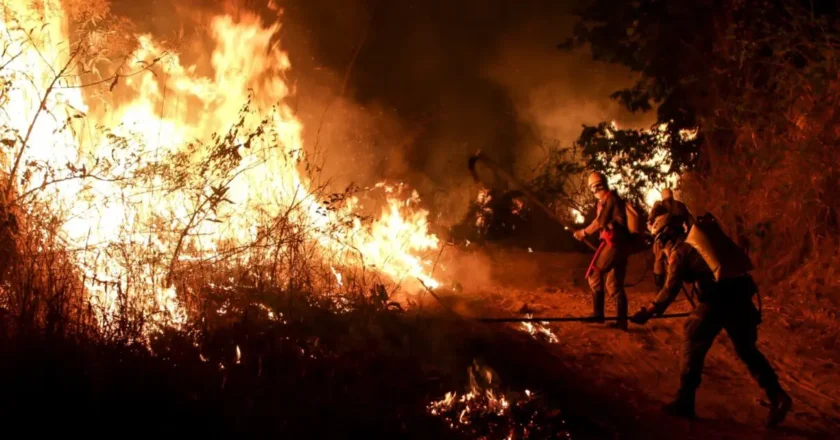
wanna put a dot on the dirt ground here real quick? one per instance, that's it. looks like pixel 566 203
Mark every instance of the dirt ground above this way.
pixel 619 380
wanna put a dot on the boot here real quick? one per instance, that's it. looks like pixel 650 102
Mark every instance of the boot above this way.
pixel 597 308
pixel 621 311
pixel 780 404
pixel 682 406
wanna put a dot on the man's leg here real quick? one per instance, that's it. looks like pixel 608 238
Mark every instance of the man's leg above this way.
pixel 659 265
pixel 701 329
pixel 742 328
pixel 615 288
pixel 602 266
pixel 596 283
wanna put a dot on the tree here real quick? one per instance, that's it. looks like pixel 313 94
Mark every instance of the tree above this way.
pixel 759 80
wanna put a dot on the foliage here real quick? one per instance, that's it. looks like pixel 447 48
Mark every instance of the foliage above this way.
pixel 759 80
pixel 667 43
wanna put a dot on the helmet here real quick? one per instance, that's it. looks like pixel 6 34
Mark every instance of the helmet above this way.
pixel 663 228
pixel 596 181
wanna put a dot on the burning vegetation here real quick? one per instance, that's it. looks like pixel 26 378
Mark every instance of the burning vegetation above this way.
pixel 166 235
pixel 485 412
pixel 146 171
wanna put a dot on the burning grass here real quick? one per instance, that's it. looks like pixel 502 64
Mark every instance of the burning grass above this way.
pixel 539 330
pixel 257 362
pixel 485 412
pixel 169 248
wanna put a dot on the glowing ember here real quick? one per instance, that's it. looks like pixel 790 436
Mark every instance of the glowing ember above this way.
pixel 539 330
pixel 516 209
pixel 484 413
pixel 166 192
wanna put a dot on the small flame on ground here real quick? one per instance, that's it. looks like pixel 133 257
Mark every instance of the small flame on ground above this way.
pixel 483 408
pixel 238 355
pixel 539 330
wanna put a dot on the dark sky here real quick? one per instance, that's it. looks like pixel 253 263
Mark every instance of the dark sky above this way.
pixel 433 81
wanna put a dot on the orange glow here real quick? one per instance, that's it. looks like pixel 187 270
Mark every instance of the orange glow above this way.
pixel 129 233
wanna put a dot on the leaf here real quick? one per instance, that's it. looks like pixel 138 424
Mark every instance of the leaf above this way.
pixel 114 83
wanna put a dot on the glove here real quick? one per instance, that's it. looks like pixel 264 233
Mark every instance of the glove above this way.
pixel 580 234
pixel 642 316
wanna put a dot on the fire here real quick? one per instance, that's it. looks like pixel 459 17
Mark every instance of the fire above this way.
pixel 485 412
pixel 539 330
pixel 660 159
pixel 167 192
pixel 337 276
pixel 479 399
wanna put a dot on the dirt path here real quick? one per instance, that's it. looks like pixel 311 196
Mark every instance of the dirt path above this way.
pixel 626 377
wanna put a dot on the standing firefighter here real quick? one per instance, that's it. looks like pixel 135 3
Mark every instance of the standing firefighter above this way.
pixel 718 270
pixel 680 215
pixel 610 262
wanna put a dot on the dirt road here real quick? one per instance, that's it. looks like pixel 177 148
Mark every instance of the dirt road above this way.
pixel 619 380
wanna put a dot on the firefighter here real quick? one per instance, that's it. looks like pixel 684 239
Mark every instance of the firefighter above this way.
pixel 723 305
pixel 680 215
pixel 606 273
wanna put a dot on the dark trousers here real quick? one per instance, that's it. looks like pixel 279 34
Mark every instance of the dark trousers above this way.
pixel 660 264
pixel 607 276
pixel 740 320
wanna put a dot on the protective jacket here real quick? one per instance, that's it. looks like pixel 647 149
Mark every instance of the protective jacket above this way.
pixel 610 220
pixel 686 265
pixel 680 215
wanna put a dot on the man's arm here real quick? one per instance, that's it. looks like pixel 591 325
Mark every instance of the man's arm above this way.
pixel 656 211
pixel 673 283
pixel 689 219
pixel 667 294
pixel 603 218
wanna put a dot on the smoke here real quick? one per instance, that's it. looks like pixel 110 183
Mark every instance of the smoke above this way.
pixel 409 90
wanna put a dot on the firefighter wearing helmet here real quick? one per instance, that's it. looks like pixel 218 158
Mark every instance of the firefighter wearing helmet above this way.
pixel 680 217
pixel 724 304
pixel 606 273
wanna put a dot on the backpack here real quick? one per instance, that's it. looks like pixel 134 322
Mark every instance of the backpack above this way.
pixel 634 223
pixel 639 237
pixel 723 256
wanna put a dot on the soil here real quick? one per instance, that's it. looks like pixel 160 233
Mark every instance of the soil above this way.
pixel 612 384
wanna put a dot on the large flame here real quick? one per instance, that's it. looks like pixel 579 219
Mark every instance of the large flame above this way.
pixel 166 119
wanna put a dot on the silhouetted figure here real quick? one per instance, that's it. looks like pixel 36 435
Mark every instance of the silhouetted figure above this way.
pixel 609 266
pixel 680 216
pixel 724 304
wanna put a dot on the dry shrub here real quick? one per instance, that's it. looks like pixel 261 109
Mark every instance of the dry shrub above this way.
pixel 41 288
pixel 770 166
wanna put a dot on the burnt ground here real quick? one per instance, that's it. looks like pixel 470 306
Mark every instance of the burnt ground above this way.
pixel 612 384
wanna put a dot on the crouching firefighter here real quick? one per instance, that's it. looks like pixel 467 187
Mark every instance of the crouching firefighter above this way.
pixel 608 267
pixel 725 303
